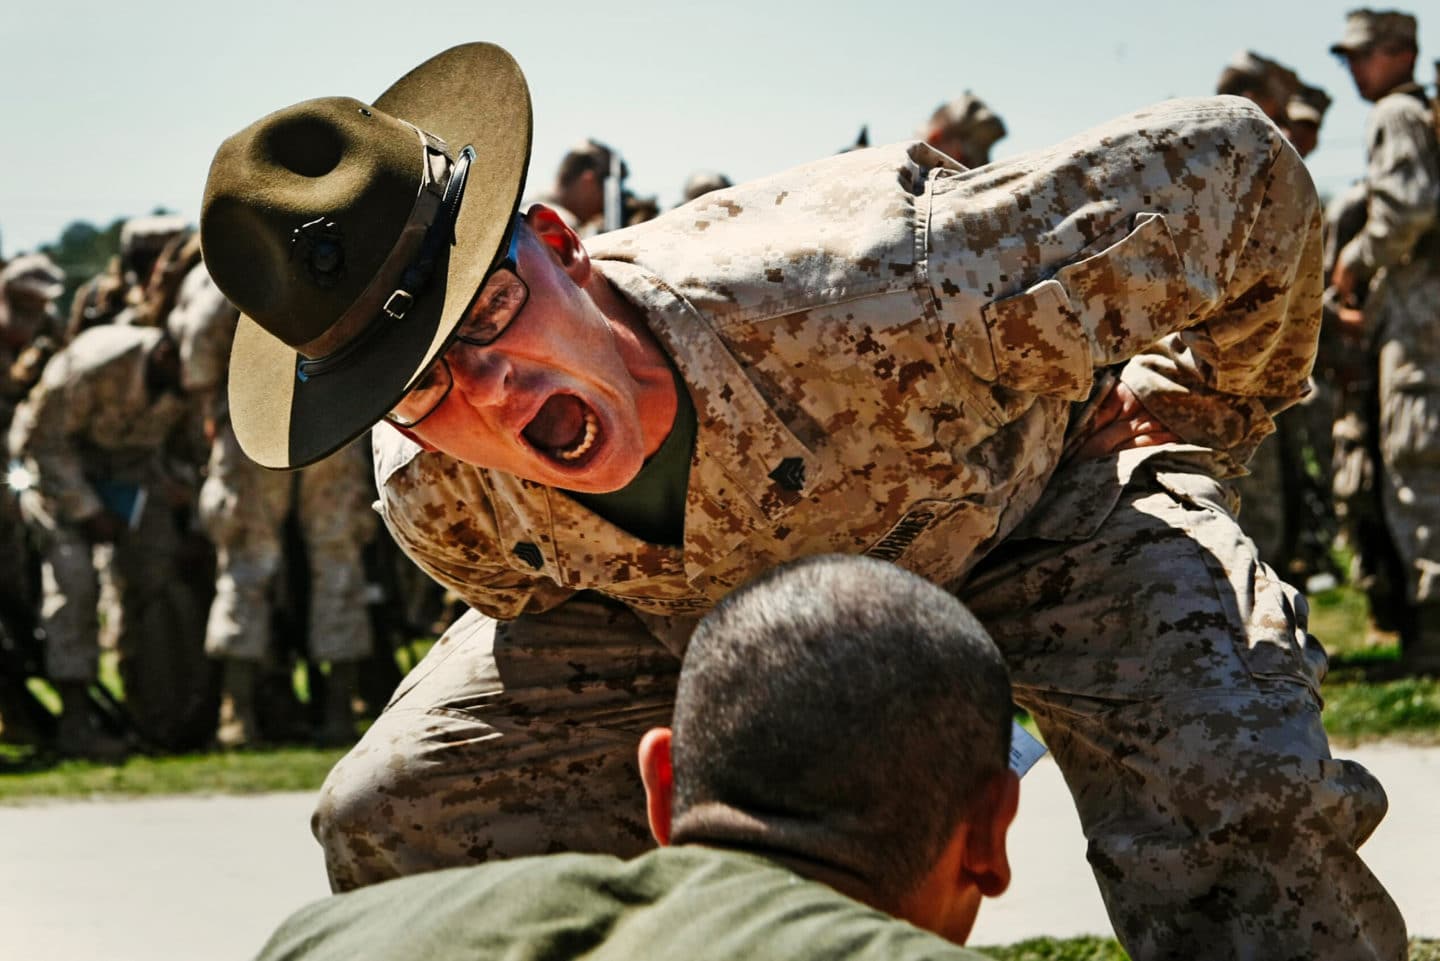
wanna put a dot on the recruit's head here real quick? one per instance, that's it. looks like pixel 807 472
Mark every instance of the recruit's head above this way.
pixel 376 254
pixel 964 128
pixel 1379 48
pixel 30 282
pixel 1262 81
pixel 580 179
pixel 1303 116
pixel 852 720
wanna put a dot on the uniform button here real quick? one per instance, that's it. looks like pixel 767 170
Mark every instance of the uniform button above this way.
pixel 530 554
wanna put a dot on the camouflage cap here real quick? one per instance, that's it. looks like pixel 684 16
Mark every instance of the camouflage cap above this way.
pixel 1365 28
pixel 33 274
pixel 966 118
pixel 1308 105
pixel 150 233
pixel 1276 81
pixel 702 182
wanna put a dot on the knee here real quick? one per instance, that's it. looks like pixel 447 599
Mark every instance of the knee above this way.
pixel 355 818
pixel 354 797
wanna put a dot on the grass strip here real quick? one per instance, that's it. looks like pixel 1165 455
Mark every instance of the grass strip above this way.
pixel 29 775
pixel 1106 949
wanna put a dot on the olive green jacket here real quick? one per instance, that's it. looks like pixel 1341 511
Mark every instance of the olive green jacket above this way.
pixel 678 904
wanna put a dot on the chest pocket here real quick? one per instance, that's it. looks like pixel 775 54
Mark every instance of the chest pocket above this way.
pixel 1097 310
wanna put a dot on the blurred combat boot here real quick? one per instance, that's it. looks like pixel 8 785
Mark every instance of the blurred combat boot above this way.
pixel 238 725
pixel 78 735
pixel 337 729
pixel 1420 644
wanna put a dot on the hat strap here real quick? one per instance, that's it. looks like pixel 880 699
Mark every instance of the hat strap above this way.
pixel 428 231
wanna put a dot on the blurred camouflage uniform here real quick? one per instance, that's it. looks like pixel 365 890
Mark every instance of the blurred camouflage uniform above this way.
pixel 29 327
pixel 93 428
pixel 1284 508
pixel 1398 252
pixel 179 256
pixel 884 353
pixel 965 129
pixel 29 336
pixel 1304 117
pixel 117 293
pixel 244 507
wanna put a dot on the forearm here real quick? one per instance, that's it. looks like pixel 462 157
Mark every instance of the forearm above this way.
pixel 1192 216
pixel 1218 384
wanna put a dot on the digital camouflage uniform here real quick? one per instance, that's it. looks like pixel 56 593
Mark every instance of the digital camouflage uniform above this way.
pixel 244 506
pixel 117 293
pixel 884 353
pixel 92 420
pixel 1399 247
pixel 1279 500
pixel 29 335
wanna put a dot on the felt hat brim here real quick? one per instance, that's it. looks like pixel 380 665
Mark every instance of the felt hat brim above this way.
pixel 474 94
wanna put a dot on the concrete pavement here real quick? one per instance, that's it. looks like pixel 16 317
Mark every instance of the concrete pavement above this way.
pixel 181 878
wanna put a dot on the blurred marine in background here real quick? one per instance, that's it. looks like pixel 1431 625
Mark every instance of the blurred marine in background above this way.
pixel 243 509
pixel 1386 282
pixel 964 128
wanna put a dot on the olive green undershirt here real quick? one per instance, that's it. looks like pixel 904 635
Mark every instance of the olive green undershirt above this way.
pixel 652 505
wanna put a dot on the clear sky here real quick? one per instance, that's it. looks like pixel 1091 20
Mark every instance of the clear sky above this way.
pixel 113 109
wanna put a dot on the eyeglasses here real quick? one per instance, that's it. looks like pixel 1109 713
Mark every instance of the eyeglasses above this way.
pixel 499 301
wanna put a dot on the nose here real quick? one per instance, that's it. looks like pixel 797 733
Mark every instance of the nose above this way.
pixel 482 374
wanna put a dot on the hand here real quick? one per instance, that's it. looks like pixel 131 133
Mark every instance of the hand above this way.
pixel 102 528
pixel 1352 325
pixel 1121 422
pixel 1346 281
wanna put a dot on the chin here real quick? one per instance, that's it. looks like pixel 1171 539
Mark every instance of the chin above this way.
pixel 598 483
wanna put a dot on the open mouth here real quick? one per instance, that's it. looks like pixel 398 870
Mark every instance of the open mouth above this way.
pixel 565 428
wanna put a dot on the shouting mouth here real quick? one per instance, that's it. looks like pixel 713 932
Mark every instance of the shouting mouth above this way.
pixel 564 428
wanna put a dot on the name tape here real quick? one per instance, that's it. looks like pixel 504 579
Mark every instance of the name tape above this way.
pixel 1025 749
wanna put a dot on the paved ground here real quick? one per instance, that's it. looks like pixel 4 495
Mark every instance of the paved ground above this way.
pixel 185 878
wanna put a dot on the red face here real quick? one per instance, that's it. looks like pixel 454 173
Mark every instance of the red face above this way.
pixel 567 396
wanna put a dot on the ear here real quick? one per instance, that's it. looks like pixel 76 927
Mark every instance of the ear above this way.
pixel 659 778
pixel 563 242
pixel 412 435
pixel 986 860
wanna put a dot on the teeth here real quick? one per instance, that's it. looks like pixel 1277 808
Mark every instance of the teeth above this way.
pixel 592 430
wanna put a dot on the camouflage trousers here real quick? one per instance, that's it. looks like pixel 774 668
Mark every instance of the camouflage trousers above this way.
pixel 244 506
pixel 1407 310
pixel 142 564
pixel 1410 487
pixel 1167 667
pixel 1287 509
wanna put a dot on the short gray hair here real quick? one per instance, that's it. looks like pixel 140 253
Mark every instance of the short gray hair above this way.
pixel 844 707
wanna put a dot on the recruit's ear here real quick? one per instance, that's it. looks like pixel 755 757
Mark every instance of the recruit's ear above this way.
pixel 987 859
pixel 659 778
pixel 563 242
